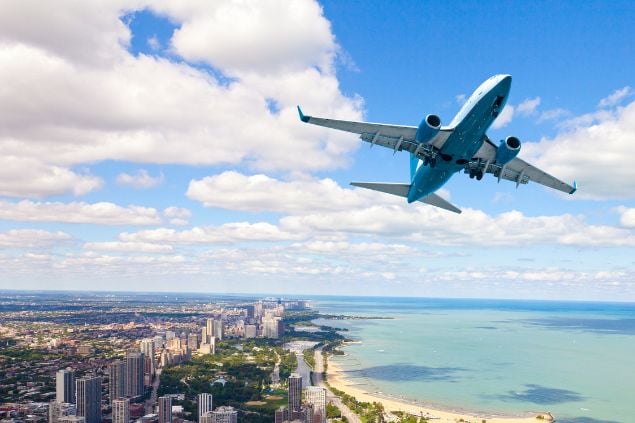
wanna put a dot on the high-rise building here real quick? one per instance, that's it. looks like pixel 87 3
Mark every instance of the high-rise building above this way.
pixel 121 410
pixel 250 331
pixel 316 396
pixel 169 335
pixel 54 412
pixel 209 327
pixel 281 415
pixel 272 327
pixel 206 418
pixel 192 341
pixel 250 311
pixel 134 374
pixel 146 346
pixel 165 409
pixel 219 329
pixel 204 404
pixel 116 380
pixel 258 309
pixel 65 386
pixel 204 335
pixel 224 414
pixel 88 391
pixel 295 392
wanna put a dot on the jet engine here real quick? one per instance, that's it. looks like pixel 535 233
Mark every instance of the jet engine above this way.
pixel 507 150
pixel 428 128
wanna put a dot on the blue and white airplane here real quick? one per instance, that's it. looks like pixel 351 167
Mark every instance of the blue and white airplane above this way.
pixel 438 152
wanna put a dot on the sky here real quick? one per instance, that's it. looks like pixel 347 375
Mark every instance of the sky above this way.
pixel 156 146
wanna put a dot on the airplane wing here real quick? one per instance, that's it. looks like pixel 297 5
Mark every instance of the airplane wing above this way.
pixel 518 170
pixel 395 137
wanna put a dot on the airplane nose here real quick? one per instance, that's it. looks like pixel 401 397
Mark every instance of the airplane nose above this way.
pixel 505 81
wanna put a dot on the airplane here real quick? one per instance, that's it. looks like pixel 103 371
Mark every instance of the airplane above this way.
pixel 438 152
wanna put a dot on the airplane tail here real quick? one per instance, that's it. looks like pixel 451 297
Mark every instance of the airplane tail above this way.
pixel 414 163
pixel 401 190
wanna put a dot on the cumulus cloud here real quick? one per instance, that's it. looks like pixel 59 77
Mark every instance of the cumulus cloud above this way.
pixel 553 114
pixel 528 106
pixel 178 216
pixel 615 97
pixel 27 177
pixel 134 247
pixel 141 179
pixel 505 117
pixel 32 238
pixel 229 232
pixel 627 216
pixel 102 213
pixel 593 149
pixel 237 37
pixel 103 103
pixel 235 191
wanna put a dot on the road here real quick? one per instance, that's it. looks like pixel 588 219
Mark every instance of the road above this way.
pixel 317 380
pixel 149 405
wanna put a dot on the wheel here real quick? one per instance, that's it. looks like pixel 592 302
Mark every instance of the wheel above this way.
pixel 479 176
pixel 471 175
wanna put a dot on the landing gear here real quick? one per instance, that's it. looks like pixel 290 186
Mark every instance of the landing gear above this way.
pixel 476 173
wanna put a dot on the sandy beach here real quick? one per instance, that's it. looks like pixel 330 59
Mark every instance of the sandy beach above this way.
pixel 338 381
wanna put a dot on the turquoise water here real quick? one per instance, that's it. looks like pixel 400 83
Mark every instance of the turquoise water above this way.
pixel 576 360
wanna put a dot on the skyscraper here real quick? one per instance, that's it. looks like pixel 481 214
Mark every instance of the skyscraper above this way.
pixel 65 386
pixel 134 374
pixel 89 399
pixel 204 335
pixel 116 380
pixel 165 409
pixel 204 404
pixel 295 392
pixel 192 341
pixel 316 396
pixel 219 328
pixel 280 415
pixel 224 414
pixel 146 346
pixel 209 328
pixel 121 410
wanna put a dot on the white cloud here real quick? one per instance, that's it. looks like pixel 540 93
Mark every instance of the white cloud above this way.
pixel 133 247
pixel 27 177
pixel 593 149
pixel 32 238
pixel 615 97
pixel 528 106
pixel 178 216
pixel 227 233
pixel 504 118
pixel 78 96
pixel 153 43
pixel 102 213
pixel 627 216
pixel 461 99
pixel 269 35
pixel 553 114
pixel 235 191
pixel 142 179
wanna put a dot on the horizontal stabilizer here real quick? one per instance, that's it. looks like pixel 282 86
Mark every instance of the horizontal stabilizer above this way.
pixel 402 191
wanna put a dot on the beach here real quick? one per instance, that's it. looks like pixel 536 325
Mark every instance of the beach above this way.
pixel 336 378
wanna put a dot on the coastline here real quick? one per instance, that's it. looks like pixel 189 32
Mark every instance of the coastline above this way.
pixel 336 378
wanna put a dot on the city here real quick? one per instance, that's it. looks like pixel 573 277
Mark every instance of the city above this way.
pixel 74 358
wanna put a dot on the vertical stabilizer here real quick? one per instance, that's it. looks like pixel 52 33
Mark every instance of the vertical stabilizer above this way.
pixel 414 164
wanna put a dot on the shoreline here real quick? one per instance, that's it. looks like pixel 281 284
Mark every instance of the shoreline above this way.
pixel 336 378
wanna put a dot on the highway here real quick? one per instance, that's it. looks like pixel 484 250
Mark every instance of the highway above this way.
pixel 317 380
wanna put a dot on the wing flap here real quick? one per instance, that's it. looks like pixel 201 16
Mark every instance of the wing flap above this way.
pixel 396 137
pixel 519 171
pixel 401 190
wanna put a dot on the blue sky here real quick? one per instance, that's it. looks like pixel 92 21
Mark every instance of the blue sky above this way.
pixel 155 146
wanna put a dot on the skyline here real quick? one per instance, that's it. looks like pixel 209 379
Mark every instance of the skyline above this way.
pixel 155 145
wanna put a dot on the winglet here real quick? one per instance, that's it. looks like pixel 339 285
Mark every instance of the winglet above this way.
pixel 303 118
pixel 575 188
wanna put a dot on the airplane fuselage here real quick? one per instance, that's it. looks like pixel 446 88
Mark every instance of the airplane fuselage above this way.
pixel 470 125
